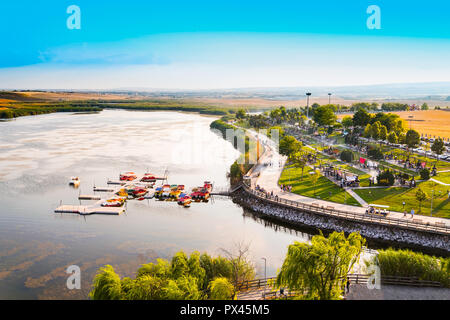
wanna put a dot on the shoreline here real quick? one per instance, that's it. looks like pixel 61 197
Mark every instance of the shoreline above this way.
pixel 382 234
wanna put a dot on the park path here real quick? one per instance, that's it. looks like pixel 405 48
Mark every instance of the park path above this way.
pixel 440 182
pixel 267 176
pixel 390 292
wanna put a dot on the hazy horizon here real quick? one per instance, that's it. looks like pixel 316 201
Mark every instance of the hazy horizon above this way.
pixel 200 45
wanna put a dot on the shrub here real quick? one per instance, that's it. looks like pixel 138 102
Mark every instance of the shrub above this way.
pixel 406 263
pixel 425 174
pixel 347 156
pixel 386 178
pixel 375 154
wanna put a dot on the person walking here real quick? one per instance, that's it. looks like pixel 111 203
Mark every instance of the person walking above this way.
pixel 404 213
pixel 412 213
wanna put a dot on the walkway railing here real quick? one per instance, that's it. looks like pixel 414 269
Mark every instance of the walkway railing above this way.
pixel 395 280
pixel 354 279
pixel 437 228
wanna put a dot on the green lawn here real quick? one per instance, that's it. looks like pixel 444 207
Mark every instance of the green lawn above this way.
pixel 324 188
pixel 394 197
pixel 443 177
pixel 440 165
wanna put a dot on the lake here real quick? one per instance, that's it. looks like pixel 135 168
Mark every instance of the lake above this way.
pixel 38 156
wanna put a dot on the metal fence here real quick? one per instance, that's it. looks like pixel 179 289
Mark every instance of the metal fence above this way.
pixel 437 228
pixel 353 278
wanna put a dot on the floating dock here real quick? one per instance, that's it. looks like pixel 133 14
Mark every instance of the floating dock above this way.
pixel 117 182
pixel 103 189
pixel 86 210
pixel 88 197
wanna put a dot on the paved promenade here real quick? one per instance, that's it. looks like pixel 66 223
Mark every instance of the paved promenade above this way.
pixel 268 170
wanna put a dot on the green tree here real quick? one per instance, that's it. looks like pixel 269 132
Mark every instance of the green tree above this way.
pixel 412 138
pixel 241 114
pixel 375 130
pixel 324 116
pixel 399 127
pixel 383 133
pixel 314 178
pixel 424 106
pixel 368 131
pixel 321 268
pixel 236 172
pixel 146 287
pixel 300 160
pixel 162 269
pixel 347 156
pixel 392 138
pixel 401 138
pixel 221 289
pixel 107 285
pixel 195 268
pixel 361 118
pixel 421 196
pixel 438 148
pixel 347 122
pixel 289 145
pixel 185 278
pixel 179 265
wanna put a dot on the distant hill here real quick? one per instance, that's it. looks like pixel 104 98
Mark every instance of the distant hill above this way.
pixel 17 96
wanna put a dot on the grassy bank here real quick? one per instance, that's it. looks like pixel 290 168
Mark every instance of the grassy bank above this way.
pixel 247 158
pixel 13 105
pixel 211 110
pixel 323 189
pixel 395 196
pixel 406 263
pixel 20 110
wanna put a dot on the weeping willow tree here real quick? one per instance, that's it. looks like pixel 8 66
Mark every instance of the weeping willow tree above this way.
pixel 407 263
pixel 107 285
pixel 221 289
pixel 183 278
pixel 320 269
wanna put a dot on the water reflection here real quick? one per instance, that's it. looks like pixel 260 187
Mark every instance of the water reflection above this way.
pixel 41 153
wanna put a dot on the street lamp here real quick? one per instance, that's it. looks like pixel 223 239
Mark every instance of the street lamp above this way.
pixel 307 104
pixel 265 277
pixel 432 198
pixel 329 98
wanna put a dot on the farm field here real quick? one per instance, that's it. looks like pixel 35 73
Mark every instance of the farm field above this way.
pixel 430 122
pixel 434 122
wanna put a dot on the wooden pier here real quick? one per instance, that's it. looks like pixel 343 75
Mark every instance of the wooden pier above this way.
pixel 88 197
pixel 96 189
pixel 86 210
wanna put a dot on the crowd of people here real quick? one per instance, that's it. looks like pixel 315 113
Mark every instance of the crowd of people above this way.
pixel 285 188
pixel 372 210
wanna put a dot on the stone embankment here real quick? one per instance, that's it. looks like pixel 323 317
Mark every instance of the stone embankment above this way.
pixel 298 217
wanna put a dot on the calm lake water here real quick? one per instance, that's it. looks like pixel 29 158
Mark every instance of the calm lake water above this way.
pixel 40 153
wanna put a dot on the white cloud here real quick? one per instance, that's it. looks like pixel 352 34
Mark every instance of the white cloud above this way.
pixel 203 61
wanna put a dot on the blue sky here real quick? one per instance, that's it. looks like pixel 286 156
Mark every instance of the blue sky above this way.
pixel 222 44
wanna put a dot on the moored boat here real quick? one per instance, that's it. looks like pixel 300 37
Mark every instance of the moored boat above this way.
pixel 185 200
pixel 74 181
pixel 148 177
pixel 127 176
